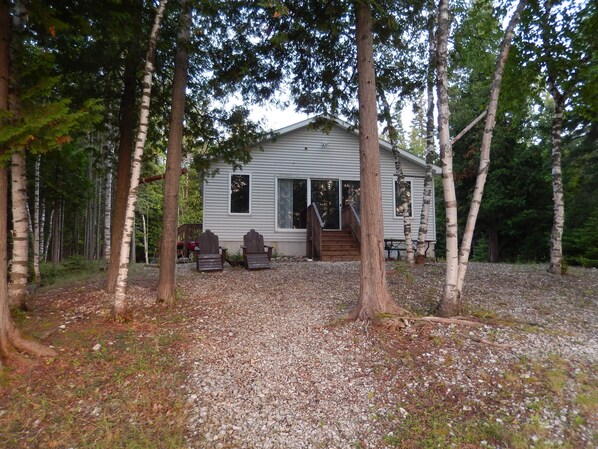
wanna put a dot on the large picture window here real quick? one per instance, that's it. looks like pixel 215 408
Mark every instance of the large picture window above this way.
pixel 292 203
pixel 240 194
pixel 398 208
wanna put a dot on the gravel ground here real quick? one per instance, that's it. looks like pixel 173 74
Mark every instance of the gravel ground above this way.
pixel 274 367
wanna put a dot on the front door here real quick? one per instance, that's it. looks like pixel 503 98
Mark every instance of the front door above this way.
pixel 325 193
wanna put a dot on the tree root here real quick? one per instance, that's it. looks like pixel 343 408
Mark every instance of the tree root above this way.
pixel 12 343
pixel 436 319
pixel 488 342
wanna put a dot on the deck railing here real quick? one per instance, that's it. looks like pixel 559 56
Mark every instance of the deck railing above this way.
pixel 315 225
pixel 352 221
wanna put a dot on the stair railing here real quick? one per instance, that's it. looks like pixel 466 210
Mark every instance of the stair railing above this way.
pixel 352 221
pixel 315 225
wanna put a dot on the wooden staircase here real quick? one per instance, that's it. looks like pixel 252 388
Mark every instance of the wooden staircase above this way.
pixel 339 245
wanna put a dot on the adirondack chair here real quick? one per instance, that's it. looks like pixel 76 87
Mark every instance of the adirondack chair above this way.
pixel 209 255
pixel 255 254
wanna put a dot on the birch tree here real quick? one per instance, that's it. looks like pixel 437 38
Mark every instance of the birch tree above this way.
pixel 404 189
pixel 11 339
pixel 167 278
pixel 37 222
pixel 123 265
pixel 429 154
pixel 456 261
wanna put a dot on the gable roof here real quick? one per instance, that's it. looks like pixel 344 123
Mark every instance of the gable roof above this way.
pixel 350 128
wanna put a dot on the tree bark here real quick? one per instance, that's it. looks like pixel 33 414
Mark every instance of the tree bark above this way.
pixel 167 277
pixel 36 223
pixel 10 338
pixel 556 236
pixel 450 303
pixel 478 192
pixel 558 217
pixel 374 297
pixel 123 265
pixel 420 257
pixel 20 248
pixel 125 151
pixel 404 190
pixel 107 205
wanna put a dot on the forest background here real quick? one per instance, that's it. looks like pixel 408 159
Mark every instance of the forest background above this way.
pixel 79 67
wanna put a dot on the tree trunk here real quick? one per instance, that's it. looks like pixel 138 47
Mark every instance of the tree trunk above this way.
pixel 145 245
pixel 556 246
pixel 374 297
pixel 478 192
pixel 558 220
pixel 493 250
pixel 20 248
pixel 36 222
pixel 450 303
pixel 420 258
pixel 107 205
pixel 10 338
pixel 404 190
pixel 123 266
pixel 167 279
pixel 125 151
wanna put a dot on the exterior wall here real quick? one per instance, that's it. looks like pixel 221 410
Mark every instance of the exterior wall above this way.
pixel 302 153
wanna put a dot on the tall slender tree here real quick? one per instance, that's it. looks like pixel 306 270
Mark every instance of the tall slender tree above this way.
pixel 10 337
pixel 429 154
pixel 120 305
pixel 167 278
pixel 456 261
pixel 374 297
pixel 126 129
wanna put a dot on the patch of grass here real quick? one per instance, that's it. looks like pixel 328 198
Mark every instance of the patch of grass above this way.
pixel 73 269
pixel 120 396
pixel 404 270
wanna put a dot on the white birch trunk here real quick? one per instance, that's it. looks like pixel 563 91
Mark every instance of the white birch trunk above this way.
pixel 36 222
pixel 145 245
pixel 478 192
pixel 404 190
pixel 556 237
pixel 107 207
pixel 450 299
pixel 49 234
pixel 429 176
pixel 123 266
pixel 20 251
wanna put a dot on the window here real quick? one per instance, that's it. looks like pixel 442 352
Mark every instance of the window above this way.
pixel 240 194
pixel 398 208
pixel 292 203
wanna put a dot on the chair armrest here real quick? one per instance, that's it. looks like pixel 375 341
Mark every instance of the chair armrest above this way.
pixel 269 251
pixel 223 254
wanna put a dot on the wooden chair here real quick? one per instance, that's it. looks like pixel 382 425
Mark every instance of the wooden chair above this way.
pixel 256 255
pixel 209 255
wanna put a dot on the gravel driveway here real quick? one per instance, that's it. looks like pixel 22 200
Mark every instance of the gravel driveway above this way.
pixel 274 367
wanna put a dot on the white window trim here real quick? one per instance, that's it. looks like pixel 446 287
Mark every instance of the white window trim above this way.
pixel 394 197
pixel 229 192
pixel 276 178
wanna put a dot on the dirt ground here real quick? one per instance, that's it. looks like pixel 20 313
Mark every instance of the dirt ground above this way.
pixel 264 360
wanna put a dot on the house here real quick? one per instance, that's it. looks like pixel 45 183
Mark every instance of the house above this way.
pixel 301 165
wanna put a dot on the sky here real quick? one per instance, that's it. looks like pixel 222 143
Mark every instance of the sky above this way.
pixel 275 118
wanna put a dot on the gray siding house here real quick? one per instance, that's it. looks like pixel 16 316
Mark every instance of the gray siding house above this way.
pixel 300 166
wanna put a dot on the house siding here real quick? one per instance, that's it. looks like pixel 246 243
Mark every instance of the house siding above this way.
pixel 300 154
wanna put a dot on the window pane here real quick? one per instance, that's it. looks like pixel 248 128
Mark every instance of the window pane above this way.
pixel 352 195
pixel 239 194
pixel 399 199
pixel 292 203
